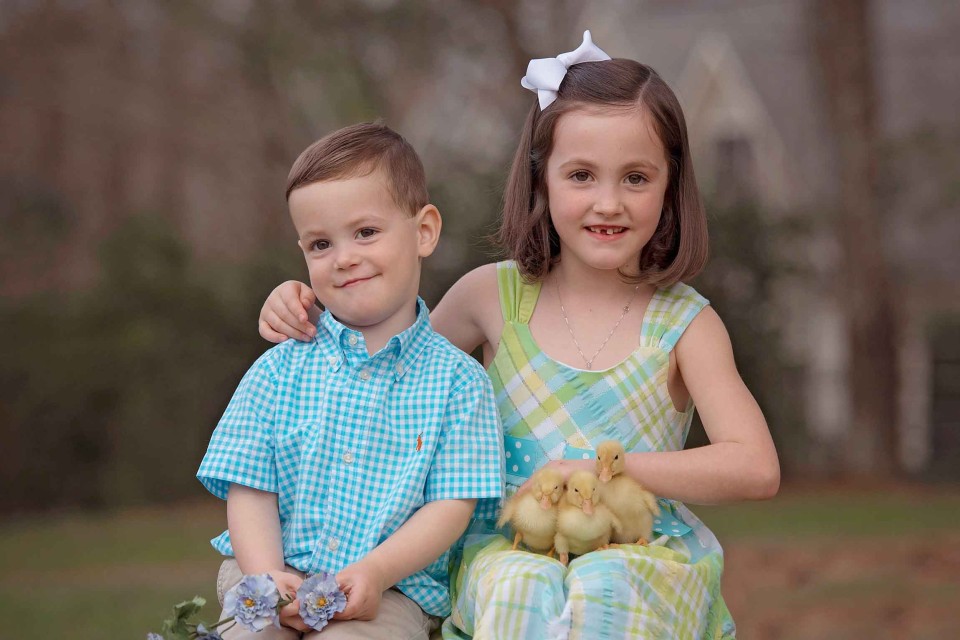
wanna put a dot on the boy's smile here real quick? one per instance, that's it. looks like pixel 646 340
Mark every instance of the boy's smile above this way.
pixel 363 252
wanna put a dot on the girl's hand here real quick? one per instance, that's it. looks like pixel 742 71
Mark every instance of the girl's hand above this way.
pixel 289 312
pixel 566 469
pixel 363 585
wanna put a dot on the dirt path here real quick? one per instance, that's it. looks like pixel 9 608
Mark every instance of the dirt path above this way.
pixel 824 589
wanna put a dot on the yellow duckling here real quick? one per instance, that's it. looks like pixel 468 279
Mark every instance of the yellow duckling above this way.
pixel 533 513
pixel 584 523
pixel 632 504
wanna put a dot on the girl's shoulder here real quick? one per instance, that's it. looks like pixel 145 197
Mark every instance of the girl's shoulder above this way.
pixel 465 313
pixel 480 282
pixel 672 309
pixel 680 296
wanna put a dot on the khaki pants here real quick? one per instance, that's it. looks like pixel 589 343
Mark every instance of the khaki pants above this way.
pixel 399 617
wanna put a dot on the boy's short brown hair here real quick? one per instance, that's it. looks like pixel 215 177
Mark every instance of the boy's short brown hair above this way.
pixel 359 150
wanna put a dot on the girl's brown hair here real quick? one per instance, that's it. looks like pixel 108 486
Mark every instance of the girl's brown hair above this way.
pixel 678 249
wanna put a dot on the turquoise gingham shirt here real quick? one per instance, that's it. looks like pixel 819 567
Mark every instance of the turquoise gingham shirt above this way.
pixel 354 444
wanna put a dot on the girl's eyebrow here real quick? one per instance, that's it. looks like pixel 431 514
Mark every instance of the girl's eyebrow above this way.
pixel 583 162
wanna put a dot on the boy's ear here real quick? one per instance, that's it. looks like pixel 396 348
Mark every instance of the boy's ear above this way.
pixel 428 229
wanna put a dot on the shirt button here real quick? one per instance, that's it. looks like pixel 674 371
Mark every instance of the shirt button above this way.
pixel 348 457
pixel 332 360
pixel 400 369
pixel 352 340
pixel 333 544
pixel 365 375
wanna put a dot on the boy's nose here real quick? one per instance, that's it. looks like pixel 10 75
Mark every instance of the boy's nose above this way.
pixel 345 258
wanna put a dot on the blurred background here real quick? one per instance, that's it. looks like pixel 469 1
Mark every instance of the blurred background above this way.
pixel 145 146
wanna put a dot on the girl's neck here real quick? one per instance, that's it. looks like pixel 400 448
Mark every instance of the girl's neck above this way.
pixel 582 281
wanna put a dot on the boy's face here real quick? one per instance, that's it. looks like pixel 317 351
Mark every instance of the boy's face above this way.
pixel 363 251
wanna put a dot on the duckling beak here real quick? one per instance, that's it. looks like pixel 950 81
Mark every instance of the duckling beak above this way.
pixel 606 475
pixel 545 502
pixel 588 507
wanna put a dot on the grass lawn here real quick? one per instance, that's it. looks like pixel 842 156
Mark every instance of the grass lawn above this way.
pixel 812 563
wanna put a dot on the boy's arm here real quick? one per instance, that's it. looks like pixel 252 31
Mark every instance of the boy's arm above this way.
pixel 419 541
pixel 254 523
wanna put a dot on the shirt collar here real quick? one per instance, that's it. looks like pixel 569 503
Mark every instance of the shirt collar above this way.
pixel 406 345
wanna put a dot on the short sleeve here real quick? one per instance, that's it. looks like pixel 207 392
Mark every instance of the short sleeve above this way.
pixel 241 449
pixel 468 462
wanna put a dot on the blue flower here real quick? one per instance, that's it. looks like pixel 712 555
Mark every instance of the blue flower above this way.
pixel 320 598
pixel 154 636
pixel 253 602
pixel 204 634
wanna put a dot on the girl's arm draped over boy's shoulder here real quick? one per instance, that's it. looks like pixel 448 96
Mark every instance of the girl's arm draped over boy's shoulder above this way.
pixel 290 311
pixel 469 314
pixel 740 463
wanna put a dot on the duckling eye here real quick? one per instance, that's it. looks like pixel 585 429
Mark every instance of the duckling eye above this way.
pixel 576 490
pixel 616 457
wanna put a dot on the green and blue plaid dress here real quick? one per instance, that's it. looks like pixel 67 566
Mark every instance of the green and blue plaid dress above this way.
pixel 670 589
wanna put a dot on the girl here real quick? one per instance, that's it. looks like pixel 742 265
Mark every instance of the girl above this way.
pixel 589 334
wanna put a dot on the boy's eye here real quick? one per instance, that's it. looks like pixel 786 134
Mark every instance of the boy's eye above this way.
pixel 636 178
pixel 366 232
pixel 320 245
pixel 580 176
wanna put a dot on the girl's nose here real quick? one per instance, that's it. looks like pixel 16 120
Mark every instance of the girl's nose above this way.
pixel 608 203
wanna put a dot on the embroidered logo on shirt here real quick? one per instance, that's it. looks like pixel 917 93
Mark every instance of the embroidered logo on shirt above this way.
pixel 419 441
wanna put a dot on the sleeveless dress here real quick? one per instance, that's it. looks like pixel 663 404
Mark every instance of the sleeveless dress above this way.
pixel 669 589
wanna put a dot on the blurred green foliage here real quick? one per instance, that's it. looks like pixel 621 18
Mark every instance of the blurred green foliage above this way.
pixel 750 258
pixel 109 396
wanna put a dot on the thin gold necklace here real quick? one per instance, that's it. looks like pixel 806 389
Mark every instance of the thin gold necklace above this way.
pixel 563 312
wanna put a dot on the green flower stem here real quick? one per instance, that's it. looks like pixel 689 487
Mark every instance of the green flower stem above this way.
pixel 224 621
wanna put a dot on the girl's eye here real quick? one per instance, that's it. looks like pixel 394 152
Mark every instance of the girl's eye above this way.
pixel 366 232
pixel 636 179
pixel 580 176
pixel 320 245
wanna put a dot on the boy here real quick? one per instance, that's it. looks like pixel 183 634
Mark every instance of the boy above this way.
pixel 364 451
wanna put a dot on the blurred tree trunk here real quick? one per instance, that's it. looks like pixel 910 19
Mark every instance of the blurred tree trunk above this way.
pixel 844 51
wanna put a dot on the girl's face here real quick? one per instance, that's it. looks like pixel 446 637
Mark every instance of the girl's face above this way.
pixel 606 179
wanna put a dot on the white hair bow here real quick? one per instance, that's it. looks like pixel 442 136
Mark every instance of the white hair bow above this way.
pixel 544 75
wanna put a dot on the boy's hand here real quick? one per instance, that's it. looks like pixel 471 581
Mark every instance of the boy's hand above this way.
pixel 363 585
pixel 287 584
pixel 289 312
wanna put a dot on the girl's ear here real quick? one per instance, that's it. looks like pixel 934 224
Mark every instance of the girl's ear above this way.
pixel 428 229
